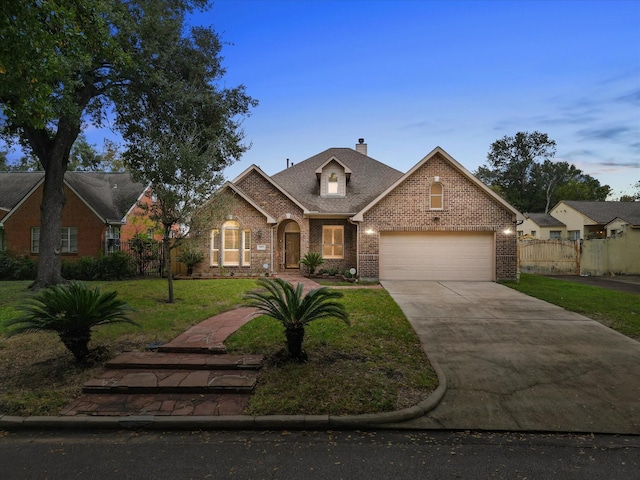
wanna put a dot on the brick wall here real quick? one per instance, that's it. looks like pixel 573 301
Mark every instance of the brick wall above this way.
pixel 74 214
pixel 350 243
pixel 466 207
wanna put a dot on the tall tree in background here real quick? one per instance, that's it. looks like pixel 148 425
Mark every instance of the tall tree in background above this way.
pixel 521 169
pixel 67 64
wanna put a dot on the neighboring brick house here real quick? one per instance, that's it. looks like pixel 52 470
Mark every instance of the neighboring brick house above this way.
pixel 435 222
pixel 101 210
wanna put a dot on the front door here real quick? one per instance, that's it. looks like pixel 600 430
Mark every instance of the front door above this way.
pixel 292 250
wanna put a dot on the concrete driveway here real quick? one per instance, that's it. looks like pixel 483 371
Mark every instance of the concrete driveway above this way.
pixel 513 362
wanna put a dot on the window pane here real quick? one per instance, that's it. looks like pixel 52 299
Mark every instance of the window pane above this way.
pixel 231 239
pixel 327 251
pixel 436 202
pixel 231 257
pixel 436 189
pixel 247 239
pixel 35 239
pixel 337 235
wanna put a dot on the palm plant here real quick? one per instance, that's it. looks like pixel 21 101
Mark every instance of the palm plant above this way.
pixel 281 301
pixel 312 260
pixel 71 311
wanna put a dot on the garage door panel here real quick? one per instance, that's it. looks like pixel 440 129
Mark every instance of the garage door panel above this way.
pixel 437 256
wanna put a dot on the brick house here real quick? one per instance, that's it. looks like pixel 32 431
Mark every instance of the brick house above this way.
pixel 435 222
pixel 101 210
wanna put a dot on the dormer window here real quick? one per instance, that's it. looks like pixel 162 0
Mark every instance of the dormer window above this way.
pixel 332 184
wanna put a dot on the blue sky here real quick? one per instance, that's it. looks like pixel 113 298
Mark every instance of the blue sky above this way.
pixel 408 76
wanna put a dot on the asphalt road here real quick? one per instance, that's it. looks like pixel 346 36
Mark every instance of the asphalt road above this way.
pixel 316 455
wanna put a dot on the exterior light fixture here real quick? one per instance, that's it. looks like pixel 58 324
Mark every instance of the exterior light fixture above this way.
pixel 369 231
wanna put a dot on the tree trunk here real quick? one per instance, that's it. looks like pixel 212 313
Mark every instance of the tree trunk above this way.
pixel 77 343
pixel 166 250
pixel 295 336
pixel 54 157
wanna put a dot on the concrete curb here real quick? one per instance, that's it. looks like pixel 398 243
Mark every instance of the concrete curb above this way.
pixel 231 422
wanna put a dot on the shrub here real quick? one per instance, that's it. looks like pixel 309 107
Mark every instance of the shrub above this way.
pixel 71 311
pixel 17 267
pixel 190 258
pixel 281 301
pixel 312 260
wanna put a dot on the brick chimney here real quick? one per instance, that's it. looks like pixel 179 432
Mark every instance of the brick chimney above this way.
pixel 361 147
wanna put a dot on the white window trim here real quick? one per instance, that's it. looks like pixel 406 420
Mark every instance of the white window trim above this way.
pixel 436 195
pixel 66 244
pixel 244 249
pixel 332 228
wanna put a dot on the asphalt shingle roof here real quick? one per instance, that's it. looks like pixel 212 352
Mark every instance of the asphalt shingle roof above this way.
pixel 369 178
pixel 544 220
pixel 15 185
pixel 111 195
pixel 604 212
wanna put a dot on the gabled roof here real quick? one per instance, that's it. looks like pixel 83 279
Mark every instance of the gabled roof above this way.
pixel 258 170
pixel 544 220
pixel 246 197
pixel 603 212
pixel 438 151
pixel 109 195
pixel 15 186
pixel 369 178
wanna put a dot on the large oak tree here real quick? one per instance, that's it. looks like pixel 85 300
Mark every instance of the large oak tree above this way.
pixel 66 64
pixel 522 170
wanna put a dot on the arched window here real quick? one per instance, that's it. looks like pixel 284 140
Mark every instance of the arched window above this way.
pixel 231 246
pixel 436 196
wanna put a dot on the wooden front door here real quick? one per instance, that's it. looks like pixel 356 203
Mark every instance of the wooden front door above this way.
pixel 292 250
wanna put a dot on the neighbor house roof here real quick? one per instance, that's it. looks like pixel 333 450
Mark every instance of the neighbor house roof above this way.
pixel 15 186
pixel 109 195
pixel 604 212
pixel 368 178
pixel 544 220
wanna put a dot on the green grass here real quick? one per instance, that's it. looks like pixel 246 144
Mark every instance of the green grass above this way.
pixel 618 310
pixel 374 365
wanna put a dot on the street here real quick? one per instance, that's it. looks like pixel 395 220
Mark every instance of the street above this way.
pixel 315 455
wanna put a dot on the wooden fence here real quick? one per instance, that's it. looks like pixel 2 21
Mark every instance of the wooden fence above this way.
pixel 550 257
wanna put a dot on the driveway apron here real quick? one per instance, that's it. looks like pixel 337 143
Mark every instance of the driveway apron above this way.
pixel 513 362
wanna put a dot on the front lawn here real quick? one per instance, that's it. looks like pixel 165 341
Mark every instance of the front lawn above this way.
pixel 374 365
pixel 618 310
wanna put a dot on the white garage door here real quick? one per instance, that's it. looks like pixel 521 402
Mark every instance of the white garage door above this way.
pixel 437 256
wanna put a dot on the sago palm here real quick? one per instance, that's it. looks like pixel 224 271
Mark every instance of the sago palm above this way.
pixel 280 300
pixel 71 311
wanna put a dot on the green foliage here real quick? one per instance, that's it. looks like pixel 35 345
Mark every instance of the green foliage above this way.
pixel 64 65
pixel 71 311
pixel 521 169
pixel 280 300
pixel 375 365
pixel 16 267
pixel 312 260
pixel 190 258
pixel 115 266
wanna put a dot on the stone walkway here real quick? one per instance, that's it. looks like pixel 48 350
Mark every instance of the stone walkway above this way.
pixel 191 375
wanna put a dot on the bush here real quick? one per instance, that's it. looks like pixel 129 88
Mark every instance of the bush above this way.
pixel 190 258
pixel 17 267
pixel 115 266
pixel 312 260
pixel 71 311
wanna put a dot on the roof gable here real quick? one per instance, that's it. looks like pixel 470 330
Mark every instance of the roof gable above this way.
pixel 602 212
pixel 109 195
pixel 258 170
pixel 248 199
pixel 368 177
pixel 438 151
